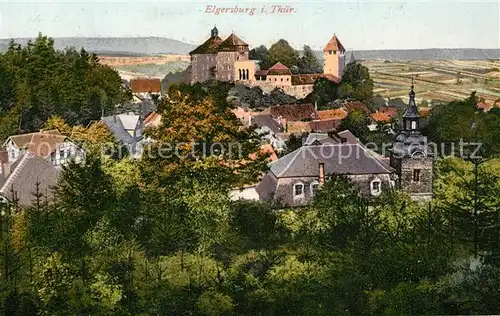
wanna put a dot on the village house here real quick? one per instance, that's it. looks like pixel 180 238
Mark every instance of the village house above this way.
pixel 50 145
pixel 144 87
pixel 228 60
pixel 127 130
pixel 294 179
pixel 29 174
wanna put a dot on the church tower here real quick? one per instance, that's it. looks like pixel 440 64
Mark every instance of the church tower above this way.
pixel 333 58
pixel 412 157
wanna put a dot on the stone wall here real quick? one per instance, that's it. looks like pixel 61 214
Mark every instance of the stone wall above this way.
pixel 200 67
pixel 285 186
pixel 422 187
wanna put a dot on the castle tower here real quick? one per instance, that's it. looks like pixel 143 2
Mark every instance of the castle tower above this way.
pixel 333 58
pixel 412 157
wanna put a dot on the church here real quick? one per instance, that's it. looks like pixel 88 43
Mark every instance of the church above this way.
pixel 228 60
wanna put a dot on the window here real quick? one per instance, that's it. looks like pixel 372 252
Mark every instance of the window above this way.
pixel 314 188
pixel 274 79
pixel 298 190
pixel 375 187
pixel 413 125
pixel 281 79
pixel 416 175
pixel 61 153
pixel 287 79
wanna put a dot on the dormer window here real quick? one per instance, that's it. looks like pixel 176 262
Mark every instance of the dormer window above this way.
pixel 298 190
pixel 376 187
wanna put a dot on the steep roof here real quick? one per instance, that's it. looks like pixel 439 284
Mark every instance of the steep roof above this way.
pixel 231 43
pixel 116 126
pixel 389 110
pixel 294 112
pixel 23 140
pixel 208 47
pixel 334 44
pixel 145 85
pixel 41 143
pixel 279 69
pixel 27 171
pixel 338 159
pixel 411 110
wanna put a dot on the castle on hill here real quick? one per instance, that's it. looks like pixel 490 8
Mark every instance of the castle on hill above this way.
pixel 228 60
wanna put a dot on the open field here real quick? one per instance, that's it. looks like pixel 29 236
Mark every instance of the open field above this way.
pixel 443 80
pixel 147 66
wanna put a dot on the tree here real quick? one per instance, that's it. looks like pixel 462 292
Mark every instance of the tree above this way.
pixel 262 55
pixel 187 137
pixel 356 122
pixel 43 82
pixel 308 63
pixel 282 52
pixel 324 92
pixel 356 83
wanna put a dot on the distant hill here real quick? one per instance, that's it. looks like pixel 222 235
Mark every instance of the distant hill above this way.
pixel 424 54
pixel 140 46
pixel 117 46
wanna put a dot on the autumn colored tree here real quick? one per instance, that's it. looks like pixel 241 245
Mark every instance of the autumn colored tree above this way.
pixel 199 129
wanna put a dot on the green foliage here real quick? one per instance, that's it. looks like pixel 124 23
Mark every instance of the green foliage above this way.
pixel 38 82
pixel 115 242
pixel 282 52
pixel 261 54
pixel 308 63
pixel 356 83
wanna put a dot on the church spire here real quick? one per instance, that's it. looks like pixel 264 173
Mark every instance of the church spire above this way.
pixel 411 116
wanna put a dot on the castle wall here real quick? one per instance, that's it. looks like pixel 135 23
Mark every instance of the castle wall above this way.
pixel 225 64
pixel 200 67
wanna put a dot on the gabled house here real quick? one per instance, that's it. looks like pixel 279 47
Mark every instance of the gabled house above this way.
pixel 50 145
pixel 128 131
pixel 19 181
pixel 294 179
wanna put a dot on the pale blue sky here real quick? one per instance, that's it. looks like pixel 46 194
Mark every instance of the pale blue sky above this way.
pixel 358 24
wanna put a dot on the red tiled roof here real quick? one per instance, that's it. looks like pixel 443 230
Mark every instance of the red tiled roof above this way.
pixel 389 110
pixel 145 85
pixel 334 114
pixel 279 69
pixel 153 118
pixel 334 44
pixel 484 106
pixel 324 126
pixel 294 112
pixel 330 77
pixel 356 105
pixel 298 127
pixel 381 117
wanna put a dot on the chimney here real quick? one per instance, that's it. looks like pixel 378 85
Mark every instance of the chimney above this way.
pixel 114 118
pixel 4 164
pixel 250 120
pixel 321 179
